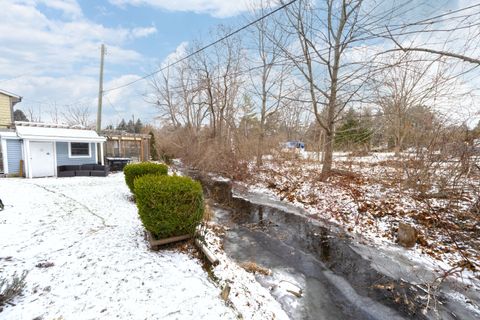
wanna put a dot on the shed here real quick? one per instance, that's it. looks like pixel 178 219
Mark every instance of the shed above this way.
pixel 37 149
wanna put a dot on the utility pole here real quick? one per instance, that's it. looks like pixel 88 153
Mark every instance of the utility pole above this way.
pixel 135 138
pixel 99 110
pixel 100 90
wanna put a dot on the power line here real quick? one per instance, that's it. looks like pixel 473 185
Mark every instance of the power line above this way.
pixel 424 22
pixel 429 20
pixel 203 48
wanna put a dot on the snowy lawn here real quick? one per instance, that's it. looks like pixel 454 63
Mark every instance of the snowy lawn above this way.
pixel 102 268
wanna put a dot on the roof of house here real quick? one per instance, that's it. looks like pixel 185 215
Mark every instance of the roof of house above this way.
pixel 57 134
pixel 17 97
pixel 116 134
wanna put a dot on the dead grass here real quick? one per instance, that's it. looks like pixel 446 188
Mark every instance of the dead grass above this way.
pixel 9 289
pixel 252 267
pixel 208 213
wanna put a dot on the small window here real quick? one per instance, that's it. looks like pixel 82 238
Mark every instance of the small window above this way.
pixel 79 149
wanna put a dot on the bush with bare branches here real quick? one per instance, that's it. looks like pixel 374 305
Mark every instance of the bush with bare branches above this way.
pixel 9 289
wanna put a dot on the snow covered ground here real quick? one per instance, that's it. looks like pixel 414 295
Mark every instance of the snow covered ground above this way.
pixel 102 268
pixel 362 205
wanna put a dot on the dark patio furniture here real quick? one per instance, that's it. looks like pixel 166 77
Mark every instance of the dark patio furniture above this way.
pixel 66 171
pixel 117 164
pixel 84 170
pixel 82 173
pixel 99 171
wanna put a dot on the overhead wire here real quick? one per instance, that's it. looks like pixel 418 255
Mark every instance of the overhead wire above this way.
pixel 430 20
pixel 204 47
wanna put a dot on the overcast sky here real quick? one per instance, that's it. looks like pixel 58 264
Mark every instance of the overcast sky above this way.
pixel 50 48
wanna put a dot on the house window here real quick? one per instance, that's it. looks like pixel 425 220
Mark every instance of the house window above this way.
pixel 79 149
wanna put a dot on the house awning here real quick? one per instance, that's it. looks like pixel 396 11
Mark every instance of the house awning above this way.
pixel 58 134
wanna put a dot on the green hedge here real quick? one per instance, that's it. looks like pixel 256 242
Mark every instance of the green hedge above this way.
pixel 169 205
pixel 135 170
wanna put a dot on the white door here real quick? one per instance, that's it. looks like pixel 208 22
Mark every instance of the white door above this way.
pixel 42 159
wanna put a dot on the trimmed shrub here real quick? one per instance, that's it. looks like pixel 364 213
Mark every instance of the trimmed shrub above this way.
pixel 169 205
pixel 135 170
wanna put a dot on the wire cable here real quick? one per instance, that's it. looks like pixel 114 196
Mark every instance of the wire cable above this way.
pixel 202 48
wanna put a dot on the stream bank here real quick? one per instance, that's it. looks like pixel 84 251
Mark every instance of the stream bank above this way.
pixel 337 277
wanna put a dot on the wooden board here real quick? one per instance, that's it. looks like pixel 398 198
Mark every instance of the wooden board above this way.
pixel 155 244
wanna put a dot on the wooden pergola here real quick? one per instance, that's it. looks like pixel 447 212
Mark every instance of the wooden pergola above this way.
pixel 119 144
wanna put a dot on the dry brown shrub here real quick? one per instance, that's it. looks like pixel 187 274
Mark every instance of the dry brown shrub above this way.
pixel 9 289
pixel 359 153
pixel 208 212
pixel 252 267
pixel 229 157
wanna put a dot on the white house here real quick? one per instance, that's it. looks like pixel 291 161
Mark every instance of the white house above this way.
pixel 37 149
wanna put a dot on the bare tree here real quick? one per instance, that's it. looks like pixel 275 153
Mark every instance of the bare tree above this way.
pixel 219 76
pixel 194 111
pixel 176 93
pixel 406 83
pixel 55 115
pixel 269 80
pixel 77 116
pixel 460 25
pixel 163 97
pixel 34 115
pixel 323 35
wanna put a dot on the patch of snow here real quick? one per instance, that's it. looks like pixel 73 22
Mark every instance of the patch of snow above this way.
pixel 288 287
pixel 219 178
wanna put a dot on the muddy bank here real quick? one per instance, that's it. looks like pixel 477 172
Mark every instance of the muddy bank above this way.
pixel 337 278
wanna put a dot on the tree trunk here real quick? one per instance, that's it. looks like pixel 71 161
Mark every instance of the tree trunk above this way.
pixel 397 148
pixel 260 149
pixel 328 152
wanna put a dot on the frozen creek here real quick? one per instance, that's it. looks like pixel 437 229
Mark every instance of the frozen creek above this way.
pixel 338 276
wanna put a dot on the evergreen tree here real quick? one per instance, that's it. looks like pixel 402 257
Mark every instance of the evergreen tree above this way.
pixel 352 132
pixel 18 115
pixel 138 126
pixel 122 125
pixel 153 147
pixel 130 126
